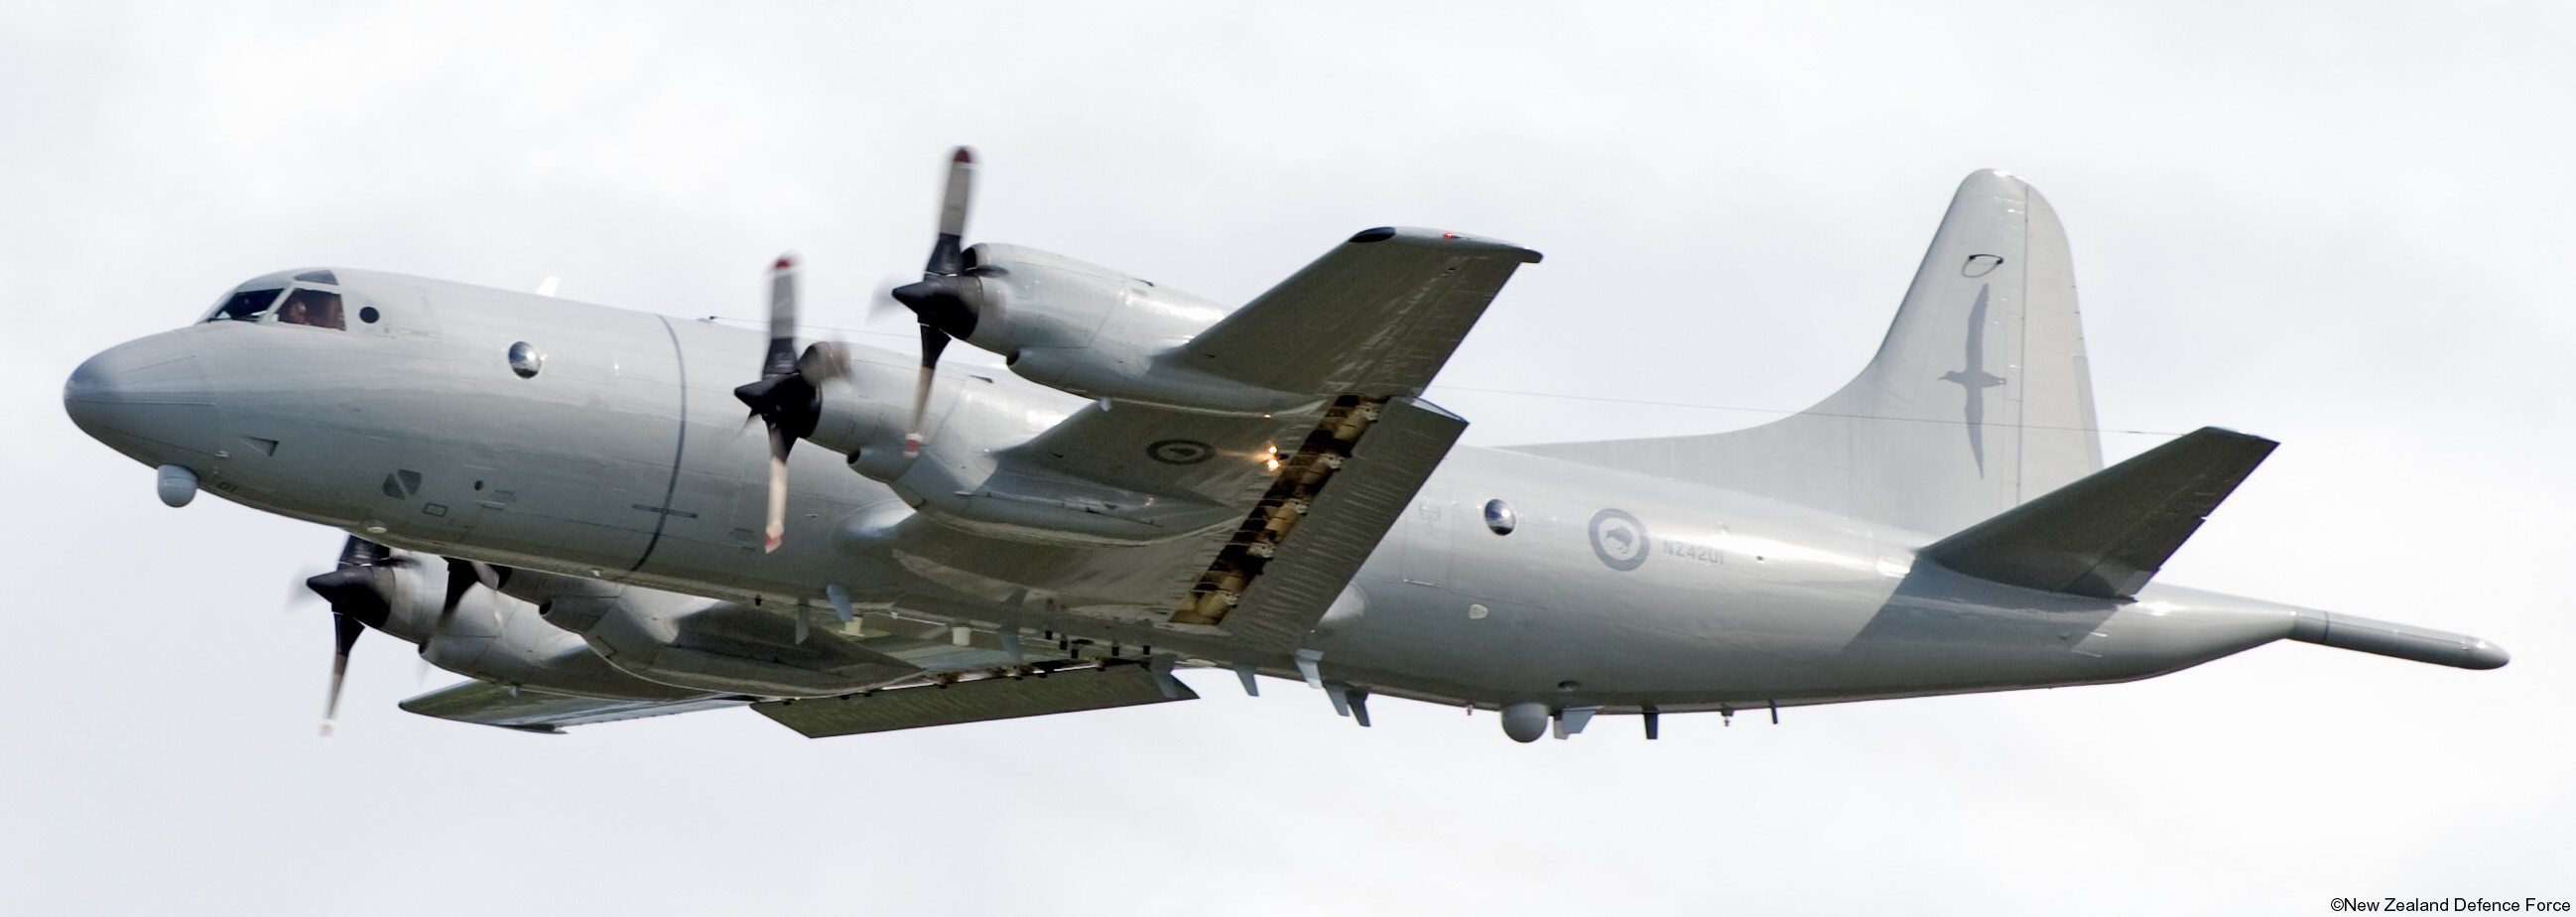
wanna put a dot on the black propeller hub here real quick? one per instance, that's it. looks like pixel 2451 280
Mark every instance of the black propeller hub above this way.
pixel 787 402
pixel 941 302
pixel 353 593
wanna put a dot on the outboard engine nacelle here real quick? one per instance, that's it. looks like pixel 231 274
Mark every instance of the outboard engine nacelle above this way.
pixel 489 636
pixel 1095 332
pixel 715 645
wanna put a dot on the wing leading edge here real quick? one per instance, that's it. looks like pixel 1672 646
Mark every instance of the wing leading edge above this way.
pixel 1377 315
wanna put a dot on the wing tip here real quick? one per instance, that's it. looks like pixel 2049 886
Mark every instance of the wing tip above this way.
pixel 1439 237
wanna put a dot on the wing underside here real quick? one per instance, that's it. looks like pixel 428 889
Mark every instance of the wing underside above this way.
pixel 981 700
pixel 489 704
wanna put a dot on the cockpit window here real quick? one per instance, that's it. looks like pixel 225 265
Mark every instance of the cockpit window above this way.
pixel 321 275
pixel 245 305
pixel 308 306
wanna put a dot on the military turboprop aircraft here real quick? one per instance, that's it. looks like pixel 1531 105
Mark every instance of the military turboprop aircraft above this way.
pixel 565 503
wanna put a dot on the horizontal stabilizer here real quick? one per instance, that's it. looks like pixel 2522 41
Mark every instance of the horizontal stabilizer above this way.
pixel 1067 691
pixel 2106 534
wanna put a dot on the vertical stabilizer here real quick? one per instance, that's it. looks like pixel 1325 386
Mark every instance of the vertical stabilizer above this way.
pixel 1978 399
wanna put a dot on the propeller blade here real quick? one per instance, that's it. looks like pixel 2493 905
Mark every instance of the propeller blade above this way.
pixel 462 576
pixel 881 300
pixel 933 342
pixel 939 299
pixel 776 533
pixel 781 360
pixel 345 631
pixel 825 361
pixel 782 398
pixel 947 255
pixel 359 552
pixel 299 591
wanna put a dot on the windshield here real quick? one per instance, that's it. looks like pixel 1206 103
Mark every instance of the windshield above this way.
pixel 286 297
pixel 245 305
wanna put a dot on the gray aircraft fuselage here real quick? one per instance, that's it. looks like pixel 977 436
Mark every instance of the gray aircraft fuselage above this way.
pixel 625 457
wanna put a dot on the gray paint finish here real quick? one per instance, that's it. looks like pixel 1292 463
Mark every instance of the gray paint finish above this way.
pixel 1777 565
pixel 1979 398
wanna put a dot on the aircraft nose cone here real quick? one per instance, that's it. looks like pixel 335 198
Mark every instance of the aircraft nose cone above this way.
pixel 147 399
pixel 2484 655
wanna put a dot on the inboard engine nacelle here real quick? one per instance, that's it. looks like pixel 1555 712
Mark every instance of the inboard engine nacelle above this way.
pixel 709 644
pixel 955 479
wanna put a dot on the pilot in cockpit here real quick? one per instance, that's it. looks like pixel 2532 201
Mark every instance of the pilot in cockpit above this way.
pixel 313 307
pixel 308 306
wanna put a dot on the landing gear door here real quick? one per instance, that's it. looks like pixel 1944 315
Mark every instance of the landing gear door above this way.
pixel 1427 534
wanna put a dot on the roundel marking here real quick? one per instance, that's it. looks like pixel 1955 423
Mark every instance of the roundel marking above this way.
pixel 1180 451
pixel 1618 539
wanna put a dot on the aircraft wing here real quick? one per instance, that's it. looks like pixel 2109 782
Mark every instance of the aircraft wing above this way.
pixel 1377 315
pixel 536 711
pixel 981 700
pixel 1279 510
pixel 1373 319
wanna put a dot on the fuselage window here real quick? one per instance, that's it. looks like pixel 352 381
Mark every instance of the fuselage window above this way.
pixel 308 306
pixel 525 360
pixel 244 306
pixel 1500 518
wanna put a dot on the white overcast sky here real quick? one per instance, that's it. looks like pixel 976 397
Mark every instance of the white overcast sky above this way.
pixel 2341 225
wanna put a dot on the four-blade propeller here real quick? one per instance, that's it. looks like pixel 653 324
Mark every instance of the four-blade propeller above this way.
pixel 357 602
pixel 939 300
pixel 783 398
pixel 787 396
pixel 361 592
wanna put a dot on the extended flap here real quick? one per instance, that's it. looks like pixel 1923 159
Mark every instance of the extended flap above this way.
pixel 1284 593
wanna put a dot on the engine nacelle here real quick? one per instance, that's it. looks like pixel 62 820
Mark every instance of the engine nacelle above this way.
pixel 492 636
pixel 1098 333
pixel 955 480
pixel 715 645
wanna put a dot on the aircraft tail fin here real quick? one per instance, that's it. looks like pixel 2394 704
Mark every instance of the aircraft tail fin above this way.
pixel 2107 534
pixel 1978 399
